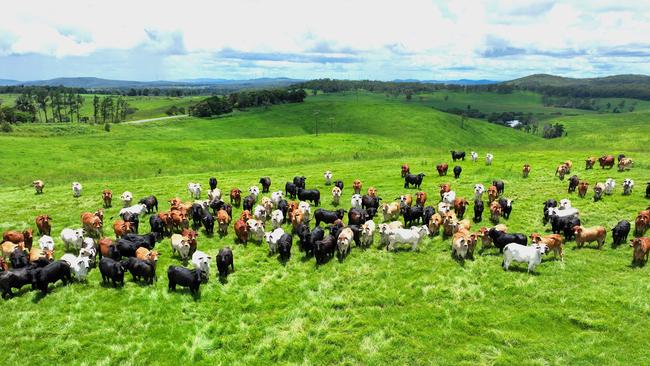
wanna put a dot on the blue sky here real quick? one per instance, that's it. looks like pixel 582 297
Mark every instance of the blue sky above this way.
pixel 155 40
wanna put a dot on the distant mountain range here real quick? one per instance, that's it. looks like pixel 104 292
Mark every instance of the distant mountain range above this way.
pixel 455 82
pixel 98 83
pixel 552 80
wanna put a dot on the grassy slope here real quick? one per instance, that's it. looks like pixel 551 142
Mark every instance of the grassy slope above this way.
pixel 373 308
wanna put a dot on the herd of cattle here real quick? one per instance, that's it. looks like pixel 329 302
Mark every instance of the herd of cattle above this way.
pixel 23 263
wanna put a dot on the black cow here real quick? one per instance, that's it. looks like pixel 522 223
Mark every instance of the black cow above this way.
pixel 133 218
pixel 290 190
pixel 339 183
pixel 324 249
pixel 283 206
pixel 548 204
pixel 620 232
pixel 299 181
pixel 151 202
pixel 304 237
pixel 328 217
pixel 317 234
pixel 16 278
pixel 647 190
pixel 266 184
pixel 111 270
pixel 412 215
pixel 501 239
pixel 457 171
pixel 225 259
pixel 478 210
pixel 284 247
pixel 356 235
pixel 57 270
pixel 506 207
pixel 157 226
pixel 213 183
pixel 336 228
pixel 312 195
pixel 248 203
pixel 371 212
pixel 367 201
pixel 500 186
pixel 412 179
pixel 564 225
pixel 18 258
pixel 147 240
pixel 428 213
pixel 357 216
pixel 620 157
pixel 197 215
pixel 184 277
pixel 457 155
pixel 126 248
pixel 140 269
pixel 573 183
pixel 208 223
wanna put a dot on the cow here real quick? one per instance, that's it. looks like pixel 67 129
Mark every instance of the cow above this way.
pixel 573 183
pixel 610 184
pixel 561 171
pixel 256 229
pixel 39 257
pixel 208 223
pixel 449 197
pixel 390 211
pixel 493 194
pixel 336 196
pixel 434 223
pixel 457 155
pixel 184 277
pixel 386 229
pixel 414 180
pixel 241 230
pixel 442 169
pixel 526 170
pixel 457 171
pixel 647 190
pixel 224 260
pixel 599 188
pixel 55 271
pixel 589 235
pixel 460 204
pixel 620 232
pixel 107 197
pixel 405 170
pixel 299 181
pixel 91 224
pixel 356 186
pixel 72 237
pixel 277 219
pixel 444 207
pixel 532 255
pixel 194 189
pixel 150 202
pixel 506 207
pixel 38 186
pixel 553 242
pixel 43 224
pixel 312 195
pixel 357 216
pixel 121 228
pixel 411 236
pixel 474 156
pixel 488 159
pixel 266 184
pixel 564 224
pixel 328 217
pixel 79 265
pixel 324 248
pixel 235 197
pixel 212 182
pixel 412 215
pixel 495 211
pixel 582 189
pixel 181 245
pixel 367 233
pixel 343 242
pixel 111 270
pixel 16 278
pixel 500 238
pixel 145 254
pixel 26 237
pixel 339 183
pixel 260 213
pixel 214 195
pixel 606 161
pixel 356 201
pixel 328 177
pixel 625 164
pixel 201 261
pixel 127 198
pixel 462 245
pixel 478 210
pixel 641 249
pixel 76 189
pixel 641 222
pixel 590 162
pixel 272 238
pixel 628 184
pixel 16 252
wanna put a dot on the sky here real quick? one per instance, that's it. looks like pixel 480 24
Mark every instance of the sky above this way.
pixel 306 39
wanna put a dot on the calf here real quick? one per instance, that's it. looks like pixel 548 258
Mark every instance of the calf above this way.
pixel 474 156
pixel 405 170
pixel 526 170
pixel 457 171
pixel 500 239
pixel 628 184
pixel 76 189
pixel 328 177
pixel 442 169
pixel 506 207
pixel 194 190
pixel 582 189
pixel 225 259
pixel 573 183
pixel 457 155
pixel 107 197
pixel 336 196
pixel 38 186
pixel 184 277
pixel 553 242
pixel 55 271
pixel 478 210
pixel 328 217
pixel 597 234
pixel 16 278
pixel 43 224
pixel 641 249
pixel 620 232
pixel 414 180
pixel 488 159
pixel 520 253
pixel 590 162
pixel 235 197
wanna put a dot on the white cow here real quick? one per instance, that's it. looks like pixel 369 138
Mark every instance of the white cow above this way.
pixel 449 197
pixel 336 196
pixel 259 212
pixel 256 229
pixel 254 191
pixel 407 236
pixel 305 208
pixel 272 238
pixel 344 240
pixel 277 219
pixel 386 229
pixel 201 261
pixel 570 211
pixel 195 190
pixel 76 189
pixel 609 186
pixel 367 233
pixel 526 254
pixel 628 184
pixel 214 195
pixel 328 177
pixel 79 265
pixel 479 189
pixel 72 237
pixel 127 198
pixel 474 156
pixel 88 249
pixel 276 197
pixel 46 242
pixel 139 209
pixel 443 208
pixel 356 201
pixel 180 245
pixel 564 204
pixel 488 159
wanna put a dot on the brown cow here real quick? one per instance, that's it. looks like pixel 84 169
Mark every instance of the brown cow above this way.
pixel 606 161
pixel 246 215
pixel 434 224
pixel 297 218
pixel 92 224
pixel 554 242
pixel 641 249
pixel 291 208
pixel 107 196
pixel 235 197
pixel 582 189
pixel 179 220
pixel 121 228
pixel 104 244
pixel 3 265
pixel 449 223
pixel 420 198
pixel 526 170
pixel 43 224
pixel 166 218
pixel 460 204
pixel 590 235
pixel 406 199
pixel 444 188
pixel 569 165
pixel 145 254
pixel 40 255
pixel 625 164
pixel 590 162
pixel 223 219
pixel 493 193
pixel 372 192
pixel 641 222
pixel 561 171
pixel 8 248
pixel 442 169
pixel 356 185
pixel 191 236
pixel 241 230
pixel 26 237
pixel 495 211
pixel 405 170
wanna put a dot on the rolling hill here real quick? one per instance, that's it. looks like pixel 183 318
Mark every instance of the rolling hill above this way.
pixel 559 81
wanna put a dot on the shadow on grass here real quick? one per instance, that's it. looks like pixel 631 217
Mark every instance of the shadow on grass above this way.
pixel 186 290
pixel 521 269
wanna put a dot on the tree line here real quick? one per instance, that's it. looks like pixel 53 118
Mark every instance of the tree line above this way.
pixel 217 105
pixel 396 88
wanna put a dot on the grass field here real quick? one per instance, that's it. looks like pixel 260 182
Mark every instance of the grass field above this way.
pixel 374 307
